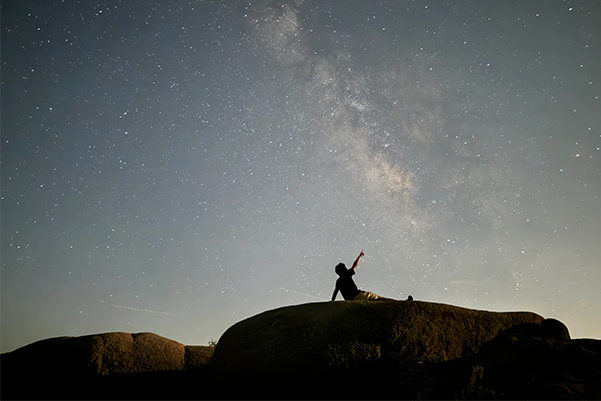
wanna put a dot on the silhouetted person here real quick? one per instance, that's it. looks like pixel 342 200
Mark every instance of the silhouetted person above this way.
pixel 348 288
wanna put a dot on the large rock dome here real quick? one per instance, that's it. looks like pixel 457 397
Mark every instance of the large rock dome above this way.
pixel 317 339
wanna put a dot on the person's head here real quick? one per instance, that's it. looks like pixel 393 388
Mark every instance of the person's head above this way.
pixel 340 268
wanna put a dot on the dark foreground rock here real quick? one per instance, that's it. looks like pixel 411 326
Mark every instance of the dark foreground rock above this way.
pixel 524 362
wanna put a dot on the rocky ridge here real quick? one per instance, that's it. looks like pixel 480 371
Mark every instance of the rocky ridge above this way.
pixel 357 349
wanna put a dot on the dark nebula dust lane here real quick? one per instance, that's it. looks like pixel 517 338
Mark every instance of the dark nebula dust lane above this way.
pixel 177 166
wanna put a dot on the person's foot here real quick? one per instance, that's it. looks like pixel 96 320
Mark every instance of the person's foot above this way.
pixel 409 298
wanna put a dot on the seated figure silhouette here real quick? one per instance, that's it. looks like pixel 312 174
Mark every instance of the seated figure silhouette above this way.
pixel 347 287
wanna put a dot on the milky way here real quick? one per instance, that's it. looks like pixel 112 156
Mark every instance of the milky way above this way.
pixel 205 161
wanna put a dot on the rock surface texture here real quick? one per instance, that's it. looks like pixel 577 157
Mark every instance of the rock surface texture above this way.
pixel 318 338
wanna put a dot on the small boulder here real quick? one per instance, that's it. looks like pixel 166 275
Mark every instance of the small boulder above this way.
pixel 555 330
pixel 198 356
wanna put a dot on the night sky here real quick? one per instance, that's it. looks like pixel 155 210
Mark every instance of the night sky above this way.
pixel 177 166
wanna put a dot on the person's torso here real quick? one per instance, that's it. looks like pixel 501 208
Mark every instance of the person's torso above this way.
pixel 347 286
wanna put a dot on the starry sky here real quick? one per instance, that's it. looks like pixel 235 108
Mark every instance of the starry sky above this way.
pixel 177 166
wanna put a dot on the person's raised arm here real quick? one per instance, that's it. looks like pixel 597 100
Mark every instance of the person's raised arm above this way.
pixel 357 261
